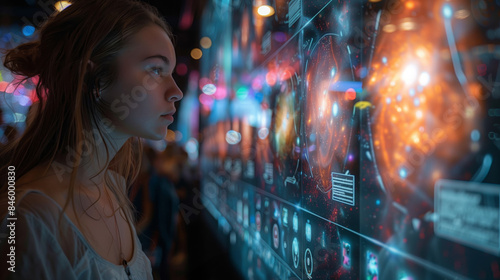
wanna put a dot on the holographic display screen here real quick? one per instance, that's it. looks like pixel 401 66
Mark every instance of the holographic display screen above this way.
pixel 353 139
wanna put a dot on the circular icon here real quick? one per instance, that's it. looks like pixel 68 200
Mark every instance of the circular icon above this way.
pixel 295 252
pixel 276 236
pixel 308 262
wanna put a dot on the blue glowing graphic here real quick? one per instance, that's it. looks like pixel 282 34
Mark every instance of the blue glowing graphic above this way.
pixel 447 11
pixel 28 30
pixel 335 109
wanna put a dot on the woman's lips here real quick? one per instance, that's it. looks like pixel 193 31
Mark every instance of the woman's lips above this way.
pixel 168 117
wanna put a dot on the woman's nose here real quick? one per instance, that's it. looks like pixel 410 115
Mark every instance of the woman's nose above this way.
pixel 174 93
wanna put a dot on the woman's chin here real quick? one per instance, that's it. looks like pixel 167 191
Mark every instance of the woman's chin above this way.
pixel 156 136
pixel 159 137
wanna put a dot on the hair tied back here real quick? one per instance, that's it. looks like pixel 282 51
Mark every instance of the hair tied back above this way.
pixel 24 59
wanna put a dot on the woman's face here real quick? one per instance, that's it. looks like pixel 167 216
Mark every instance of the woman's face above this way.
pixel 145 89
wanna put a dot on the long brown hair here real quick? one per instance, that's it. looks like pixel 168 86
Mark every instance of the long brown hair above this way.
pixel 94 30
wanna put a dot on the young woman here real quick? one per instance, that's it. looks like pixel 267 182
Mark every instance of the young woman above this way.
pixel 105 81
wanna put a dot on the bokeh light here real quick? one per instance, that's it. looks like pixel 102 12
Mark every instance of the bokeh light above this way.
pixel 265 11
pixel 28 30
pixel 196 53
pixel 205 42
pixel 181 69
pixel 61 5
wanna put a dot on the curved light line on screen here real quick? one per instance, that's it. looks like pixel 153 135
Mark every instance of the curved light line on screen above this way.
pixel 372 48
pixel 350 61
pixel 454 56
pixel 379 178
pixel 483 170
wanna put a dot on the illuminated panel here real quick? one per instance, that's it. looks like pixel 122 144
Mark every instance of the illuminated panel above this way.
pixel 353 139
pixel 328 113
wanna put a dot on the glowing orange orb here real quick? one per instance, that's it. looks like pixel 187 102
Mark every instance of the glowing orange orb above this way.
pixel 350 94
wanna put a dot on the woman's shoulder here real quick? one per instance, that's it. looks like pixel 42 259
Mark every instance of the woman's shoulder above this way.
pixel 30 202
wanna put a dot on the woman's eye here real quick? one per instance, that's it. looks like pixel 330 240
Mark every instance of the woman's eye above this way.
pixel 156 70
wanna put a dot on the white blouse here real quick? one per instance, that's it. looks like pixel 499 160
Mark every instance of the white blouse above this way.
pixel 40 253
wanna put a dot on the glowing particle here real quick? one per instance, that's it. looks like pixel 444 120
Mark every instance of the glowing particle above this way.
pixel 257 84
pixel 409 74
pixel 271 78
pixel 408 25
pixel 389 28
pixel 284 122
pixel 191 145
pixel 403 173
pixel 424 79
pixel 206 100
pixel 412 91
pixel 263 132
pixel 242 93
pixel 384 60
pixel 209 89
pixel 462 14
pixel 416 101
pixel 265 10
pixel 23 100
pixel 475 135
pixel 181 69
pixel 28 30
pixel 350 94
pixel 377 202
pixel 447 11
pixel 399 97
pixel 418 114
pixel 196 53
pixel 205 42
pixel 388 100
pixel 415 139
pixel 332 73
pixel 335 109
pixel 421 53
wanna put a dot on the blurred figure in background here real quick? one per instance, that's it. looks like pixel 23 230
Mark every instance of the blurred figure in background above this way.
pixel 157 210
pixel 163 185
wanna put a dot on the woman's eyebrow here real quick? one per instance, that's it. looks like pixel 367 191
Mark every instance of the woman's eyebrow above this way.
pixel 164 58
